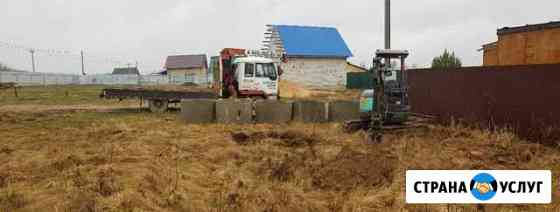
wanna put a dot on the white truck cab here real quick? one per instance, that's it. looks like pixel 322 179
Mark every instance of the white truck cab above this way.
pixel 256 75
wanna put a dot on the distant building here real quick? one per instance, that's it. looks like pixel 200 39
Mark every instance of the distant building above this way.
pixel 529 44
pixel 186 67
pixel 126 71
pixel 314 56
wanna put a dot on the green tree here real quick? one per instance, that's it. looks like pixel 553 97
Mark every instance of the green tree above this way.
pixel 446 60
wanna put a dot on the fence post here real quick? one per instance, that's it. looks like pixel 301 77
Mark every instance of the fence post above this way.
pixel 45 79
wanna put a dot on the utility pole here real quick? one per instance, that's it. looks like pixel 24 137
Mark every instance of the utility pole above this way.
pixel 378 117
pixel 32 51
pixel 387 24
pixel 83 69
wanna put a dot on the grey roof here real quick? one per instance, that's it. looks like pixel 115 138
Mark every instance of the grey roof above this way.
pixel 186 61
pixel 529 28
pixel 129 70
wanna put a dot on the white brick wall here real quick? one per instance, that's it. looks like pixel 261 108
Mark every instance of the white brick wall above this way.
pixel 329 73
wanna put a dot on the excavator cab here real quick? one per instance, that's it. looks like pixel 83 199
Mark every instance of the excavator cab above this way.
pixel 391 91
pixel 387 103
pixel 392 88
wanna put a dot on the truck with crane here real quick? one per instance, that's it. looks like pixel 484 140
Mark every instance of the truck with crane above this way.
pixel 247 74
pixel 240 73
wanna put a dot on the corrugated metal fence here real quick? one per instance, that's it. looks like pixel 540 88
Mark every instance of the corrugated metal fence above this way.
pixel 29 78
pixel 524 98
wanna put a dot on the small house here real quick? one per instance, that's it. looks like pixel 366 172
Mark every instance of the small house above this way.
pixel 313 56
pixel 186 68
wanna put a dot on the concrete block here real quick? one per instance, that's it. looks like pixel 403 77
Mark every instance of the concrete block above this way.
pixel 340 111
pixel 198 111
pixel 234 111
pixel 273 112
pixel 310 111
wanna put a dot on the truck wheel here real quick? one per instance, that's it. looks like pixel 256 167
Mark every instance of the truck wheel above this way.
pixel 158 106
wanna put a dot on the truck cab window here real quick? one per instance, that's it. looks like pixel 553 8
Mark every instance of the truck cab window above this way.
pixel 270 70
pixel 260 70
pixel 249 69
pixel 266 70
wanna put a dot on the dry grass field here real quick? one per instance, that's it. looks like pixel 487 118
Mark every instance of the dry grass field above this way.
pixel 64 149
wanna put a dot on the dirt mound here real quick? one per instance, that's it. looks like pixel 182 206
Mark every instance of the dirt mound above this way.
pixel 67 162
pixel 293 90
pixel 350 169
pixel 6 150
pixel 345 171
pixel 284 169
pixel 288 138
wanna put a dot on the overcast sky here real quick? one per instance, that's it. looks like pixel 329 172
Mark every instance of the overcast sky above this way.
pixel 147 31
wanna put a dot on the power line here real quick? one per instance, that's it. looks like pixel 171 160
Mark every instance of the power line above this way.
pixel 61 52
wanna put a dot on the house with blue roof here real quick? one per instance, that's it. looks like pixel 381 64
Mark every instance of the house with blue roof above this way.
pixel 313 56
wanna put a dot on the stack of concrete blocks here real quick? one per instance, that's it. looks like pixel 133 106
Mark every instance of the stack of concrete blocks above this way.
pixel 238 111
pixel 340 111
pixel 310 112
pixel 234 111
pixel 198 111
pixel 273 112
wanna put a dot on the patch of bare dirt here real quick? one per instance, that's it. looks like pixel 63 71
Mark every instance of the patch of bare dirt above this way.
pixel 351 169
pixel 66 163
pixel 292 90
pixel 347 170
pixel 6 150
pixel 287 138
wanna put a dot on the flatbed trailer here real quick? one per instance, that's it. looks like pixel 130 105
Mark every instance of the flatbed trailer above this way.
pixel 158 100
